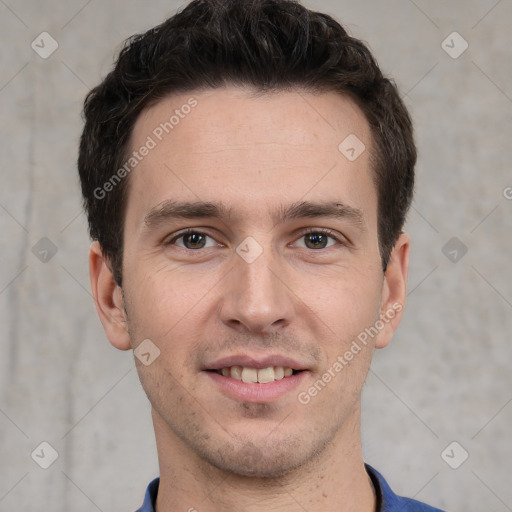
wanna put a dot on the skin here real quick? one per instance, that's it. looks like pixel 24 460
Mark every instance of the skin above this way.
pixel 256 155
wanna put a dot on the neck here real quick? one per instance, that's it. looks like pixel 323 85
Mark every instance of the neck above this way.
pixel 335 479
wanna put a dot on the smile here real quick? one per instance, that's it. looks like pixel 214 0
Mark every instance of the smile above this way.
pixel 254 375
pixel 264 385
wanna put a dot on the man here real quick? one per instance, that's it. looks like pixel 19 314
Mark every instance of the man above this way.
pixel 246 171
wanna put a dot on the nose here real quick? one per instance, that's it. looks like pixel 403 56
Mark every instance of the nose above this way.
pixel 257 298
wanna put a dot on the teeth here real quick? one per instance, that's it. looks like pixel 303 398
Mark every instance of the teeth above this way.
pixel 278 372
pixel 253 375
pixel 236 372
pixel 249 375
pixel 266 375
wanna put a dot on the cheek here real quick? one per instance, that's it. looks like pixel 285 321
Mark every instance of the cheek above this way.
pixel 346 302
pixel 173 311
pixel 164 298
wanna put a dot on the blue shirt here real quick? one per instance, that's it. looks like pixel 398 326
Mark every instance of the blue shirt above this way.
pixel 387 500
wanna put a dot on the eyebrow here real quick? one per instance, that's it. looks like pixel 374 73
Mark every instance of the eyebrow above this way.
pixel 307 209
pixel 171 210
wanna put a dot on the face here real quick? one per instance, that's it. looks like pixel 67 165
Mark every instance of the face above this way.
pixel 251 252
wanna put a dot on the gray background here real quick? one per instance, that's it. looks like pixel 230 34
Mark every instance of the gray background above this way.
pixel 447 375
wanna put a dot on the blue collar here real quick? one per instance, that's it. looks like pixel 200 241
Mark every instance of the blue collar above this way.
pixel 387 500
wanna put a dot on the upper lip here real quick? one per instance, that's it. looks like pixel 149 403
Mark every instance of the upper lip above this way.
pixel 256 362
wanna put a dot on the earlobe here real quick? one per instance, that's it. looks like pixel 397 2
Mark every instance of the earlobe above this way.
pixel 394 290
pixel 108 299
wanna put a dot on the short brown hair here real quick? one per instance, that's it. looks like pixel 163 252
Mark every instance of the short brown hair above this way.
pixel 266 44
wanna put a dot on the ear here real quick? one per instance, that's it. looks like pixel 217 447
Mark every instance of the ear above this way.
pixel 394 291
pixel 108 298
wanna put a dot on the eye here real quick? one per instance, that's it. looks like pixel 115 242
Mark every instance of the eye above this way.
pixel 317 240
pixel 193 240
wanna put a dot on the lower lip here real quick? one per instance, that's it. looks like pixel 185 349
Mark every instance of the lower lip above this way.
pixel 256 392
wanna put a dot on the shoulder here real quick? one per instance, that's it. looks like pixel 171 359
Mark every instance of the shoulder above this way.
pixel 150 497
pixel 390 502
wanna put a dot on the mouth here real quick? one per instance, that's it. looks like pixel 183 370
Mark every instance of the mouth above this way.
pixel 256 379
pixel 251 375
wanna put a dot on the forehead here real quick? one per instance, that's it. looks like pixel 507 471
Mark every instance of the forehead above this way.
pixel 251 151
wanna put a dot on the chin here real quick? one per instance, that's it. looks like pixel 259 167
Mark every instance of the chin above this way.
pixel 265 461
pixel 251 463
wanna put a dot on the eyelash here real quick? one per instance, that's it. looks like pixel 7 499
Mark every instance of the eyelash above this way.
pixel 309 231
pixel 188 231
pixel 323 231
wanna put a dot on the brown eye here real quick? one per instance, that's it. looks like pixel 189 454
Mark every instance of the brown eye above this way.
pixel 193 240
pixel 316 240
